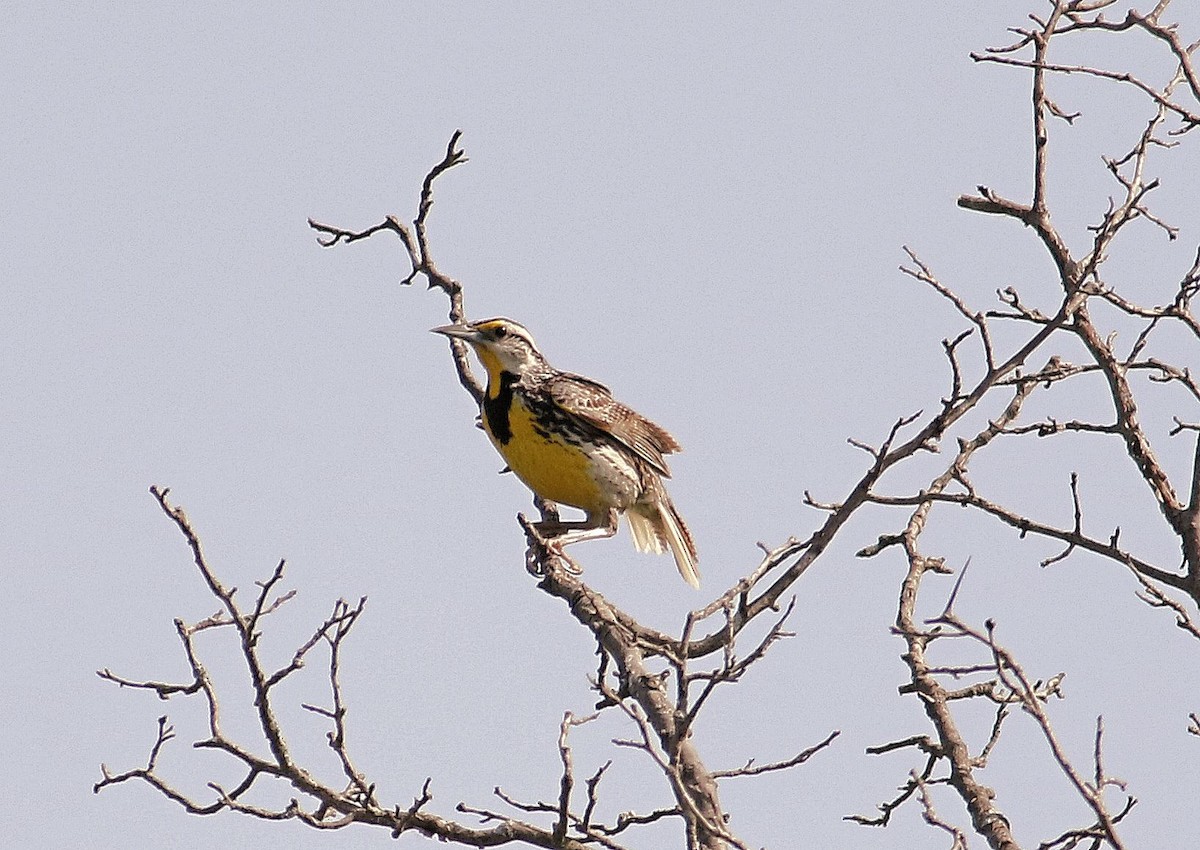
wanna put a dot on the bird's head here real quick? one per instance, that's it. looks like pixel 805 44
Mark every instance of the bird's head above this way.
pixel 502 345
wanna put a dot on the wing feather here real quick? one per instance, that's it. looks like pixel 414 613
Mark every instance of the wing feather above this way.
pixel 593 403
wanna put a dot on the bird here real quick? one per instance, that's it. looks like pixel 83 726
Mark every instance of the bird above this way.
pixel 572 443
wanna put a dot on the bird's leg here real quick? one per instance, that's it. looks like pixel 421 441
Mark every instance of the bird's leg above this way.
pixel 541 536
pixel 564 533
pixel 554 534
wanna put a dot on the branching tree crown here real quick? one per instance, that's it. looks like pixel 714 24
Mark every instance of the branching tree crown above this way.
pixel 1003 361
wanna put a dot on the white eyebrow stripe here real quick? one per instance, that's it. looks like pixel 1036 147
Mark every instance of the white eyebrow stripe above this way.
pixel 515 328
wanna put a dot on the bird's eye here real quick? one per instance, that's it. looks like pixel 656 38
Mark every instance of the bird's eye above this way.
pixel 500 332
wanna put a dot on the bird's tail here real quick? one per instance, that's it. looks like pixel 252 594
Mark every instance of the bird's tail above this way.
pixel 656 525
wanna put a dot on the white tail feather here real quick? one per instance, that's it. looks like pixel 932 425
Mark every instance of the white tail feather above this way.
pixel 655 524
pixel 642 527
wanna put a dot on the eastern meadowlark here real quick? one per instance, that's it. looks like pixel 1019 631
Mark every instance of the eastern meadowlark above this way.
pixel 572 443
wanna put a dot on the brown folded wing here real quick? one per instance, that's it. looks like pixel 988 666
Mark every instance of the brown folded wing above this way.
pixel 593 403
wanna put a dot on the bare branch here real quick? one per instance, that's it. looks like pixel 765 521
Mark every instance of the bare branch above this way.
pixel 420 258
pixel 1032 700
pixel 923 273
pixel 752 769
pixel 1186 115
pixel 931 817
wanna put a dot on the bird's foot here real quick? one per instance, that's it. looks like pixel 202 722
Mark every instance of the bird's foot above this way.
pixel 544 545
pixel 569 564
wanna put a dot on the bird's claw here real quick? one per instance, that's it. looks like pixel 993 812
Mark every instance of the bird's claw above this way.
pixel 542 547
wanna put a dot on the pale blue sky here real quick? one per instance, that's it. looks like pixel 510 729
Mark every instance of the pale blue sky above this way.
pixel 702 206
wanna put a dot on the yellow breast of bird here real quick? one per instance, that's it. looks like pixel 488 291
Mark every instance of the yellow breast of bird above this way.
pixel 550 465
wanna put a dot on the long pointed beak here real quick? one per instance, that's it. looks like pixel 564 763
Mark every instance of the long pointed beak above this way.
pixel 459 331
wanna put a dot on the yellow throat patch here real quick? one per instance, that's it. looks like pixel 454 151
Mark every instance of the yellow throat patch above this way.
pixel 544 459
